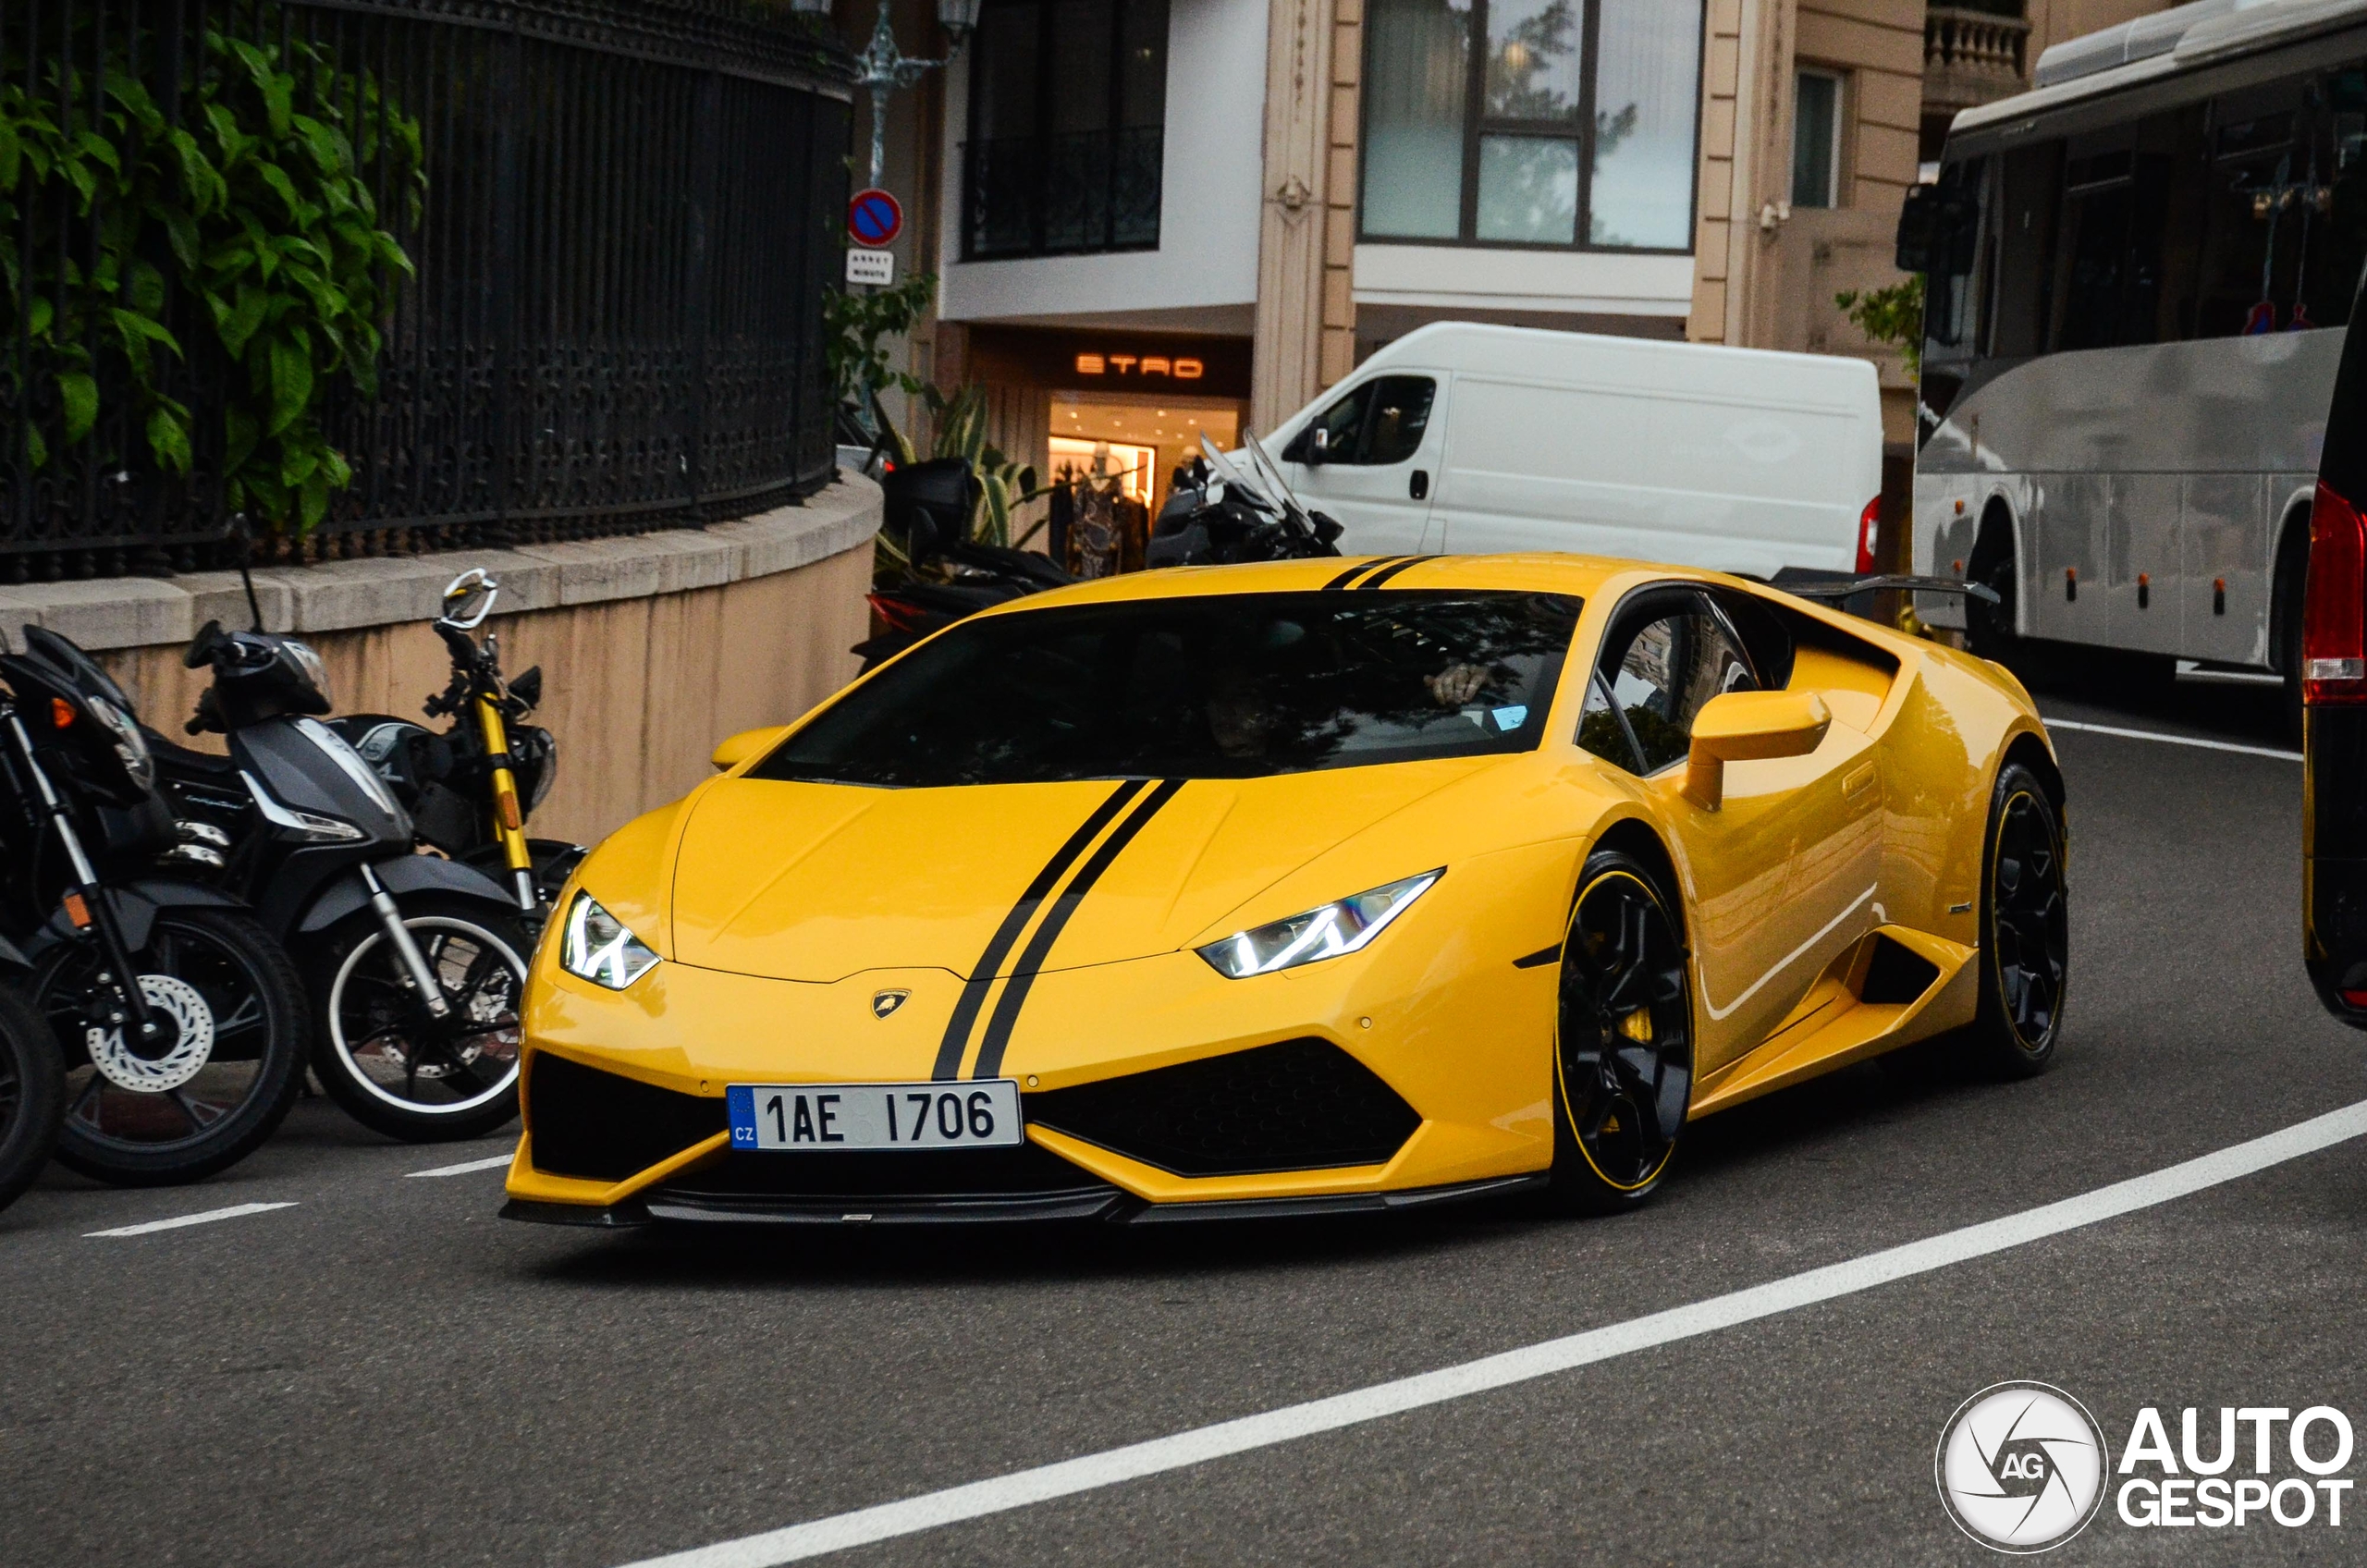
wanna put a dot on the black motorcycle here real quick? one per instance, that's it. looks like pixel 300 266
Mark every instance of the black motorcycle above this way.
pixel 415 965
pixel 1222 514
pixel 470 790
pixel 180 1023
pixel 32 1080
pixel 926 509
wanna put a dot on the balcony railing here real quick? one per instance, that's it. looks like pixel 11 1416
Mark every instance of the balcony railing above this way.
pixel 1041 196
pixel 1971 57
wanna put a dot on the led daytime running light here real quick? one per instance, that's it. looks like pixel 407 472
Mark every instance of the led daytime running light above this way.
pixel 597 946
pixel 1332 931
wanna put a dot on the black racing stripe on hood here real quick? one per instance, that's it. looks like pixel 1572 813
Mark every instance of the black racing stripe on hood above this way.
pixel 1040 946
pixel 1355 571
pixel 1385 573
pixel 973 989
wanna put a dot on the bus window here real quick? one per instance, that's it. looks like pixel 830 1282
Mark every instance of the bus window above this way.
pixel 2025 230
pixel 2252 252
pixel 1953 286
pixel 2173 182
pixel 2334 210
pixel 2091 266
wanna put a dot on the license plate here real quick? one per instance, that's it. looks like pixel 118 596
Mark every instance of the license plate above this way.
pixel 820 1118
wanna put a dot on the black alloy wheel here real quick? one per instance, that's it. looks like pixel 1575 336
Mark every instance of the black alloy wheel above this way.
pixel 390 1061
pixel 32 1094
pixel 2025 928
pixel 1623 1040
pixel 215 1082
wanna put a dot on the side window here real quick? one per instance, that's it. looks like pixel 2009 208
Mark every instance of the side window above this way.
pixel 1601 731
pixel 2333 219
pixel 1343 425
pixel 1660 676
pixel 2257 166
pixel 1401 412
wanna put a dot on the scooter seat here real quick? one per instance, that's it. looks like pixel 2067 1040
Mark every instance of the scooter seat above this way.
pixel 184 762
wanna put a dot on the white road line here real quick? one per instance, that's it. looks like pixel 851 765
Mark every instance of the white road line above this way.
pixel 1069 1477
pixel 2171 740
pixel 463 1169
pixel 211 1215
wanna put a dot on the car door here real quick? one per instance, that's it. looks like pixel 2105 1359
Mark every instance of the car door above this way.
pixel 1368 458
pixel 1772 877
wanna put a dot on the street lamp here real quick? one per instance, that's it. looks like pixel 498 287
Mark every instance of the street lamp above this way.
pixel 886 67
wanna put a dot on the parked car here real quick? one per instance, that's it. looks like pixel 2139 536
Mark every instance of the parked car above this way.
pixel 1469 439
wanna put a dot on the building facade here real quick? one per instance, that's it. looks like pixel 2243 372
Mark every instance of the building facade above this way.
pixel 1158 218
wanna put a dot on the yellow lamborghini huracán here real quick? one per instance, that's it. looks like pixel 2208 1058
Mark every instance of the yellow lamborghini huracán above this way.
pixel 1274 888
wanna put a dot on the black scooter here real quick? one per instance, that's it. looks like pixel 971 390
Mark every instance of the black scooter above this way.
pixel 927 507
pixel 1224 514
pixel 175 1020
pixel 416 964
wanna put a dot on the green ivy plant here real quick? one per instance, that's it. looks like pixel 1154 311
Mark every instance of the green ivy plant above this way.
pixel 854 325
pixel 248 232
pixel 1891 316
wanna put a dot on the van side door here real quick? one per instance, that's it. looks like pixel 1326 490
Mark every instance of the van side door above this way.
pixel 1371 459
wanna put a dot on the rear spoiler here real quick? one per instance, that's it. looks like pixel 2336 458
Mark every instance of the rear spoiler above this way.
pixel 1850 586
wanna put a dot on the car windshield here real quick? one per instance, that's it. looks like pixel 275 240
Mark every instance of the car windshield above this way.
pixel 1220 686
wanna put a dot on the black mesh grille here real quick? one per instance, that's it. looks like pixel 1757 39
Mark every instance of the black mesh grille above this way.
pixel 603 1128
pixel 902 1174
pixel 1298 1106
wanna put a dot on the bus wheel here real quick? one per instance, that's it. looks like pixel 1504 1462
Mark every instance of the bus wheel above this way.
pixel 1989 628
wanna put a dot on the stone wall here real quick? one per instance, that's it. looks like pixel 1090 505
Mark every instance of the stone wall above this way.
pixel 653 647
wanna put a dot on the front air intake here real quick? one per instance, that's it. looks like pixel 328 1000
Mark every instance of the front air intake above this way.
pixel 603 1128
pixel 1302 1105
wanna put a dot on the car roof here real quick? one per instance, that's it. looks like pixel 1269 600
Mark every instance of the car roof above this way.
pixel 1544 572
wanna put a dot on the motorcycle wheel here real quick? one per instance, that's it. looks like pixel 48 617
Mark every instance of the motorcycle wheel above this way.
pixel 392 1065
pixel 32 1094
pixel 236 1010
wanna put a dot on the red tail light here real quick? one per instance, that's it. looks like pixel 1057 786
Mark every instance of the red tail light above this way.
pixel 1869 525
pixel 2334 621
pixel 900 616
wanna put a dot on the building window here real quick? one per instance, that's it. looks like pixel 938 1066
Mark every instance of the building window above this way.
pixel 1068 110
pixel 1568 123
pixel 1816 140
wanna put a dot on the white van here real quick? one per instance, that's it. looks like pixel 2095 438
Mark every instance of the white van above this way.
pixel 1474 439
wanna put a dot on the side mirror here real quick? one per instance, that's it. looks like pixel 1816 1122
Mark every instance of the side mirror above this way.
pixel 1319 446
pixel 737 749
pixel 1917 220
pixel 1749 727
pixel 468 599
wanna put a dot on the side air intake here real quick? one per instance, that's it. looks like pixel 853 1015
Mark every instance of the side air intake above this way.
pixel 603 1128
pixel 1302 1105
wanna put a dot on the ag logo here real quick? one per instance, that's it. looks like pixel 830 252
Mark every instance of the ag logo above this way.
pixel 2021 1467
pixel 885 1002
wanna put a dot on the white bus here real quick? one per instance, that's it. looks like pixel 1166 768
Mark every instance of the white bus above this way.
pixel 2137 277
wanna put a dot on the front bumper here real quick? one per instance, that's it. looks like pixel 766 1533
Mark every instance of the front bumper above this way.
pixel 1419 1080
pixel 1104 1204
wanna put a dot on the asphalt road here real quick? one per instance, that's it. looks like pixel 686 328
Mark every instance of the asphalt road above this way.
pixel 385 1373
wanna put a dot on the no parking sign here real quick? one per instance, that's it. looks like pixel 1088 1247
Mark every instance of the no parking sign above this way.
pixel 874 218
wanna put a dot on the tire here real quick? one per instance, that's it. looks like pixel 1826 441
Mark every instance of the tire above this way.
pixel 1989 628
pixel 2024 930
pixel 1623 1040
pixel 390 1065
pixel 32 1094
pixel 216 965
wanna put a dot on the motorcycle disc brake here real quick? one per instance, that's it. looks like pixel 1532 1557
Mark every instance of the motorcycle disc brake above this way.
pixel 119 1065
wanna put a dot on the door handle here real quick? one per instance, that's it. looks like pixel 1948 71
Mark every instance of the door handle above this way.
pixel 1419 485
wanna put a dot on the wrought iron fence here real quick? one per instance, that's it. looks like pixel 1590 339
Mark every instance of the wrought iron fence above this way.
pixel 630 215
pixel 1035 196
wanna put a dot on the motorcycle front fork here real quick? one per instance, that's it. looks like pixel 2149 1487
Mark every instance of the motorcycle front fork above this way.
pixel 508 820
pixel 87 906
pixel 417 973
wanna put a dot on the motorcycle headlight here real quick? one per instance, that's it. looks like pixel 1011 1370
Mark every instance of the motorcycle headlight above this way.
pixel 130 746
pixel 596 945
pixel 1329 932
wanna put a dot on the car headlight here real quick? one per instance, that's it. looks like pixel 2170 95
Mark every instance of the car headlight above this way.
pixel 1329 932
pixel 597 946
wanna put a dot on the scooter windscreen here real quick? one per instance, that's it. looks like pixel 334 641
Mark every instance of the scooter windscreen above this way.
pixel 71 710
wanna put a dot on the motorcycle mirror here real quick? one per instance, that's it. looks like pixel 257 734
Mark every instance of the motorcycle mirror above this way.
pixel 202 646
pixel 468 599
pixel 528 687
pixel 1327 528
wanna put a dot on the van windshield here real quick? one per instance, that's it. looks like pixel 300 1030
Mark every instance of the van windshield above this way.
pixel 1222 686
